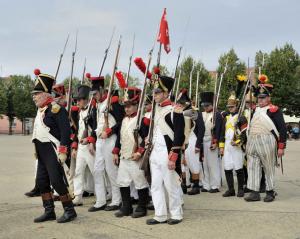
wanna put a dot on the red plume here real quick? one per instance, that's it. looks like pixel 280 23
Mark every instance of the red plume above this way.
pixel 88 75
pixel 263 79
pixel 121 80
pixel 156 70
pixel 142 66
pixel 37 72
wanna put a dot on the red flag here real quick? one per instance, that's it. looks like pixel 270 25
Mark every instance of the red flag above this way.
pixel 163 35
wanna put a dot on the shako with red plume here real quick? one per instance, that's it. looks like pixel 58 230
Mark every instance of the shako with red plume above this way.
pixel 97 82
pixel 43 82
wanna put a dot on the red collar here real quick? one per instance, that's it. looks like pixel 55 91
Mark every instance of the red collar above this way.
pixel 166 102
pixel 47 102
pixel 132 115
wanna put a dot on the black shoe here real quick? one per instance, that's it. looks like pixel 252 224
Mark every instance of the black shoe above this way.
pixel 247 190
pixel 139 212
pixel 174 221
pixel 184 188
pixel 49 214
pixel 69 212
pixel 240 193
pixel 204 190
pixel 214 190
pixel 270 196
pixel 229 193
pixel 33 193
pixel 152 221
pixel 95 209
pixel 252 197
pixel 123 213
pixel 194 191
pixel 112 208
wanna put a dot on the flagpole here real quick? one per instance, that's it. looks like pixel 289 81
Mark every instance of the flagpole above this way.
pixel 159 55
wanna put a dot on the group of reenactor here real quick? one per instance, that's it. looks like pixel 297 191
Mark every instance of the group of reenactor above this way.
pixel 98 148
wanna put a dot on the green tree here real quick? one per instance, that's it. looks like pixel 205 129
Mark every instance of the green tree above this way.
pixel 234 67
pixel 185 69
pixel 22 104
pixel 3 99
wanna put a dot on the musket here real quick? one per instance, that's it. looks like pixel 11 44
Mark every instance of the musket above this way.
pixel 197 87
pixel 177 87
pixel 175 72
pixel 110 88
pixel 61 56
pixel 83 73
pixel 141 104
pixel 191 78
pixel 130 60
pixel 69 102
pixel 106 51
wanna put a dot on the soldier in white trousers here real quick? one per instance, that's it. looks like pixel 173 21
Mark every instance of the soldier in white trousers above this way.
pixel 211 161
pixel 104 170
pixel 127 155
pixel 233 139
pixel 168 139
pixel 85 152
pixel 266 142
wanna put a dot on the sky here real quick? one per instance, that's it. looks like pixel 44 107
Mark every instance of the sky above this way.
pixel 33 32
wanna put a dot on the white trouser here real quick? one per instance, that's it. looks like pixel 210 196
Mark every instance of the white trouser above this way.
pixel 163 178
pixel 105 170
pixel 212 169
pixel 129 171
pixel 88 183
pixel 84 158
pixel 133 192
pixel 261 151
pixel 192 159
pixel 233 157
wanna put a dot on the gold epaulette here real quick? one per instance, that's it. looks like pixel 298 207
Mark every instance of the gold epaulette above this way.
pixel 55 107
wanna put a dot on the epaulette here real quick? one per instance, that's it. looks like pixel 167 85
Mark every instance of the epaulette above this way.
pixel 273 108
pixel 55 108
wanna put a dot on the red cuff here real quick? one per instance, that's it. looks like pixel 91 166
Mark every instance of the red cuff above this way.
pixel 281 145
pixel 63 149
pixel 91 139
pixel 146 121
pixel 141 150
pixel 94 103
pixel 214 141
pixel 74 108
pixel 116 150
pixel 108 131
pixel 74 145
pixel 72 136
pixel 173 156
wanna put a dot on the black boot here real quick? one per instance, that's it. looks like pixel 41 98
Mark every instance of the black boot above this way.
pixel 262 188
pixel 35 192
pixel 183 185
pixel 270 196
pixel 240 178
pixel 230 183
pixel 252 197
pixel 195 189
pixel 141 209
pixel 126 208
pixel 69 211
pixel 49 213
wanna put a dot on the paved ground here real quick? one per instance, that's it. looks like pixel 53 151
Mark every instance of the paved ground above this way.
pixel 205 215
